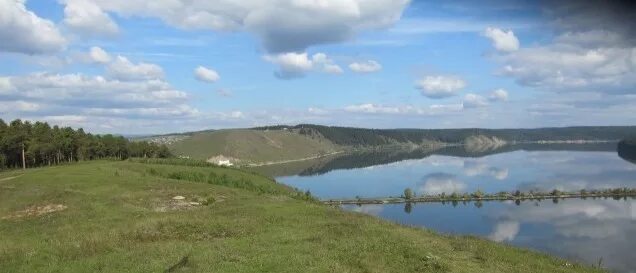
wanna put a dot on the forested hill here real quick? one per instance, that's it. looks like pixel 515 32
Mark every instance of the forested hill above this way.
pixel 372 137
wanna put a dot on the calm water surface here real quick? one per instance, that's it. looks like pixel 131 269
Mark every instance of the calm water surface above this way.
pixel 581 230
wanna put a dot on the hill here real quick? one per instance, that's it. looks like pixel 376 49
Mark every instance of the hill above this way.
pixel 292 143
pixel 252 146
pixel 154 216
pixel 374 137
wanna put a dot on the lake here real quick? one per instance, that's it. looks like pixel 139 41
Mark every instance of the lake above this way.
pixel 581 230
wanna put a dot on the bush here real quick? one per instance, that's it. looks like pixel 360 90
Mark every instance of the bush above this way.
pixel 478 194
pixel 209 201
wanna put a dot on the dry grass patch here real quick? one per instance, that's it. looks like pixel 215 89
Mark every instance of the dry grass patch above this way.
pixel 35 211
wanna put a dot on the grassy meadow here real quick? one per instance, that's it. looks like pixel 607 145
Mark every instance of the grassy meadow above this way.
pixel 122 216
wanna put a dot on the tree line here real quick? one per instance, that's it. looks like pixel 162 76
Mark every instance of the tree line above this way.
pixel 26 144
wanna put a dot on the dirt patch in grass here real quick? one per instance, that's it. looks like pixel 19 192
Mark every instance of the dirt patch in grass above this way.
pixel 176 204
pixel 35 211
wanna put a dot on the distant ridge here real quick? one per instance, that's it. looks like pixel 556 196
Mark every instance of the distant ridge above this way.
pixel 280 143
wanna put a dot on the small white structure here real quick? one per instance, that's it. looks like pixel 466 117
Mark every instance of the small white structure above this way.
pixel 224 163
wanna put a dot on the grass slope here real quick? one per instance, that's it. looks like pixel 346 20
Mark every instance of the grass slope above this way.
pixel 251 146
pixel 115 221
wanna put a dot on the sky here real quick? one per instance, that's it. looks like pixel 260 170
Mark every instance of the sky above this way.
pixel 162 66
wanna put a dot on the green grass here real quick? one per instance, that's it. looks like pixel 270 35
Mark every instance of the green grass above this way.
pixel 252 146
pixel 114 223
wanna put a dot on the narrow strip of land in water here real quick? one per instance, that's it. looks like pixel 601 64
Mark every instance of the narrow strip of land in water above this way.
pixel 615 193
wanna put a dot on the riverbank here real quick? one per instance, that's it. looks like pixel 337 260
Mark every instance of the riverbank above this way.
pixel 139 217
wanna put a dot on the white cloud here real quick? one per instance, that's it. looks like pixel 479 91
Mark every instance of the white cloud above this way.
pixel 371 108
pixel 438 183
pixel 18 106
pixel 88 19
pixel 474 101
pixel 92 91
pixel 505 231
pixel 206 74
pixel 317 111
pixel 98 55
pixel 505 41
pixel 565 67
pixel 436 87
pixel 498 95
pixel 365 66
pixel 295 65
pixel 5 84
pixel 22 31
pixel 281 25
pixel 292 65
pixel 122 69
pixel 327 64
pixel 374 109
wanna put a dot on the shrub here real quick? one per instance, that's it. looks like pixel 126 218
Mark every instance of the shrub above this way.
pixel 209 201
pixel 478 194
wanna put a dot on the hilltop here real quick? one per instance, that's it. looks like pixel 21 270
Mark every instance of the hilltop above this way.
pixel 166 216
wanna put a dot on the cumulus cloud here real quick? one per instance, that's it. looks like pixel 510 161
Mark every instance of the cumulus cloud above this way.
pixel 98 55
pixel 88 19
pixel 282 25
pixel 498 95
pixel 291 65
pixel 327 65
pixel 594 50
pixel 474 101
pixel 571 67
pixel 22 31
pixel 123 69
pixel 505 41
pixel 437 87
pixel 365 66
pixel 295 65
pixel 205 74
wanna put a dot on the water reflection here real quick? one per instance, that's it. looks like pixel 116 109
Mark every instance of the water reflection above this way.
pixel 581 230
pixel 436 174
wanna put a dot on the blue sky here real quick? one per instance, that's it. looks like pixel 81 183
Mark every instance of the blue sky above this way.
pixel 168 66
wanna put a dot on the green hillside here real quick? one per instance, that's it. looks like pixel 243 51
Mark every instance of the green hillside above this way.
pixel 374 137
pixel 126 216
pixel 253 146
